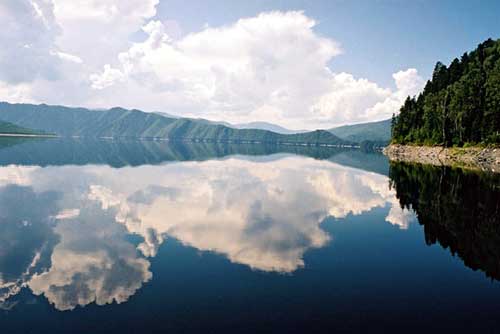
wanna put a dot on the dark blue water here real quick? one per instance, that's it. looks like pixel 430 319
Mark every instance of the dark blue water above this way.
pixel 147 237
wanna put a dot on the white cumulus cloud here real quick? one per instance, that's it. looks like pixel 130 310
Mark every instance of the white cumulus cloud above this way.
pixel 274 60
pixel 271 67
pixel 28 39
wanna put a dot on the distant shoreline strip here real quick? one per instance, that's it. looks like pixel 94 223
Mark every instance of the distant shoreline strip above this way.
pixel 25 135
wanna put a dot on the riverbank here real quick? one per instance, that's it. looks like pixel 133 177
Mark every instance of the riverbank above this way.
pixel 486 159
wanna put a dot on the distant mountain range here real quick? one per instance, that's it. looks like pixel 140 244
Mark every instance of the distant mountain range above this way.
pixel 251 125
pixel 374 131
pixel 119 122
pixel 379 131
pixel 266 126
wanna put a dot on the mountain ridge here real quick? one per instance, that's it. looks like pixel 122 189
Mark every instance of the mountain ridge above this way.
pixel 120 122
pixel 266 126
pixel 378 131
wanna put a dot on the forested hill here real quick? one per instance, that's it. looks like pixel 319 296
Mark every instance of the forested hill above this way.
pixel 12 129
pixel 374 131
pixel 459 106
pixel 119 122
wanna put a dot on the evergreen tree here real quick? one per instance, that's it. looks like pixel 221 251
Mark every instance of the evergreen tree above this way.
pixel 460 104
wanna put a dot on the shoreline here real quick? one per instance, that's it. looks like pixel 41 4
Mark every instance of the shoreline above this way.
pixel 194 140
pixel 485 159
pixel 25 135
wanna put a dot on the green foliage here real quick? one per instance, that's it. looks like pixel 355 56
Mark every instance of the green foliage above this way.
pixel 461 104
pixel 122 123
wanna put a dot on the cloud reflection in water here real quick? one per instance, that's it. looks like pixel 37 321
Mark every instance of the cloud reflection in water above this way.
pixel 263 214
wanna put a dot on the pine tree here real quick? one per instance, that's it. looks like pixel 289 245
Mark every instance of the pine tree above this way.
pixel 460 104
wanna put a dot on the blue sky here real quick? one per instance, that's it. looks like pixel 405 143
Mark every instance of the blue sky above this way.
pixel 299 64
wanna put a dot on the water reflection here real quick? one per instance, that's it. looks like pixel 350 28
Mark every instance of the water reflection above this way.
pixel 92 262
pixel 120 153
pixel 460 210
pixel 264 214
pixel 26 235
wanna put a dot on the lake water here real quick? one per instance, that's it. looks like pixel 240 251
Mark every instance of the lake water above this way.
pixel 106 236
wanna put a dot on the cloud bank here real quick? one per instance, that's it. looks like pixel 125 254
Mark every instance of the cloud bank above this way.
pixel 271 67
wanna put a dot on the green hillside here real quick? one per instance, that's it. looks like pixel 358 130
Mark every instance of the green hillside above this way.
pixel 459 105
pixel 374 131
pixel 119 122
pixel 12 129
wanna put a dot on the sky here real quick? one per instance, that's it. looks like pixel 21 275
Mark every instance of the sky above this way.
pixel 299 64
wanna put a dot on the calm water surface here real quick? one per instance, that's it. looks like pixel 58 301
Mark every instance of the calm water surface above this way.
pixel 168 237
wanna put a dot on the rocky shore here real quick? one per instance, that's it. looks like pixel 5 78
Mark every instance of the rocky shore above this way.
pixel 486 159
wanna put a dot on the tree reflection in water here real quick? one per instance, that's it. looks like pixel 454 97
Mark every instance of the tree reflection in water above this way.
pixel 458 209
